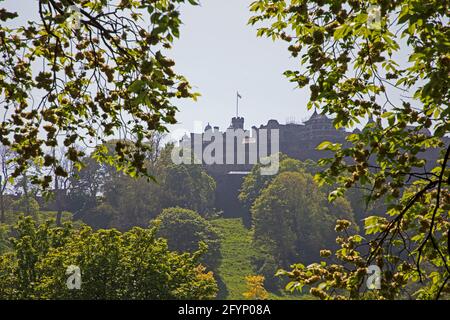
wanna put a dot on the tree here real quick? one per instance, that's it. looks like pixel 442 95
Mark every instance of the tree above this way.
pixel 255 182
pixel 113 265
pixel 27 191
pixel 188 186
pixel 100 216
pixel 26 205
pixel 256 290
pixel 62 183
pixel 292 222
pixel 4 235
pixel 348 51
pixel 185 230
pixel 86 185
pixel 136 201
pixel 83 72
pixel 6 168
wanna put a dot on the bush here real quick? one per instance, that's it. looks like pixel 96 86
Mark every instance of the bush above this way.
pixel 185 229
pixel 114 265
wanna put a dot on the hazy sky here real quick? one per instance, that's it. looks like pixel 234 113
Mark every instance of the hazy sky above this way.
pixel 219 53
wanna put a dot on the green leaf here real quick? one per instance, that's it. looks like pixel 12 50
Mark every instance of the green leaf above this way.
pixel 136 86
pixel 324 145
pixel 341 31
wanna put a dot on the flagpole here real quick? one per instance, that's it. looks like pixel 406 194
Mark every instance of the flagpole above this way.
pixel 237 104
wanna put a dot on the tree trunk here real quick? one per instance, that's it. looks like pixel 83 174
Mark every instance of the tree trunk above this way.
pixel 25 192
pixel 2 207
pixel 2 201
pixel 58 202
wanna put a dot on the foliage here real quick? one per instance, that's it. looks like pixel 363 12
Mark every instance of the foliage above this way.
pixel 114 265
pixel 100 216
pixel 188 186
pixel 83 72
pixel 12 217
pixel 292 218
pixel 256 289
pixel 27 205
pixel 292 222
pixel 6 168
pixel 255 182
pixel 85 185
pixel 133 202
pixel 128 202
pixel 4 235
pixel 349 54
pixel 342 277
pixel 185 231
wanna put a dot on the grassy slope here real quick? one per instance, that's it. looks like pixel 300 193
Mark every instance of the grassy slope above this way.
pixel 236 263
pixel 236 252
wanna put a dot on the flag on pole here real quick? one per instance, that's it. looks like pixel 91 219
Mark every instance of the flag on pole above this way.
pixel 238 96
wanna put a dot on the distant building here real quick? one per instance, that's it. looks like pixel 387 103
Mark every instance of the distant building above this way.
pixel 298 141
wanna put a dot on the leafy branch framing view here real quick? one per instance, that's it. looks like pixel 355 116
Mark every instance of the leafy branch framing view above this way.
pixel 87 92
pixel 351 64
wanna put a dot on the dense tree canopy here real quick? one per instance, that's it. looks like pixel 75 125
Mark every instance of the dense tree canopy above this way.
pixel 185 230
pixel 188 186
pixel 349 55
pixel 103 197
pixel 293 221
pixel 132 265
pixel 255 181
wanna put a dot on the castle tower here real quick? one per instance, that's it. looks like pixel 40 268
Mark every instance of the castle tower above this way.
pixel 208 127
pixel 237 123
pixel 320 125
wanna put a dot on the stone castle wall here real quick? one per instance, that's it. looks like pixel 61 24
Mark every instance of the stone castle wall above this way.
pixel 298 141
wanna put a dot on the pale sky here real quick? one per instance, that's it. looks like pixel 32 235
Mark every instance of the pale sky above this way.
pixel 219 53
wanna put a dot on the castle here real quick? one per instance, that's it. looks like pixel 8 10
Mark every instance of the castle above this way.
pixel 298 141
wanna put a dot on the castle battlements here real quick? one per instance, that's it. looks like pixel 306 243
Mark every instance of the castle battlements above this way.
pixel 298 141
pixel 232 161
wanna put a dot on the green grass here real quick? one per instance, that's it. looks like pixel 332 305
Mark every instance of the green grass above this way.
pixel 39 217
pixel 236 264
pixel 236 252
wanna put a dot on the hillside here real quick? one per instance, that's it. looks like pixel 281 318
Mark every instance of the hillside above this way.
pixel 237 251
